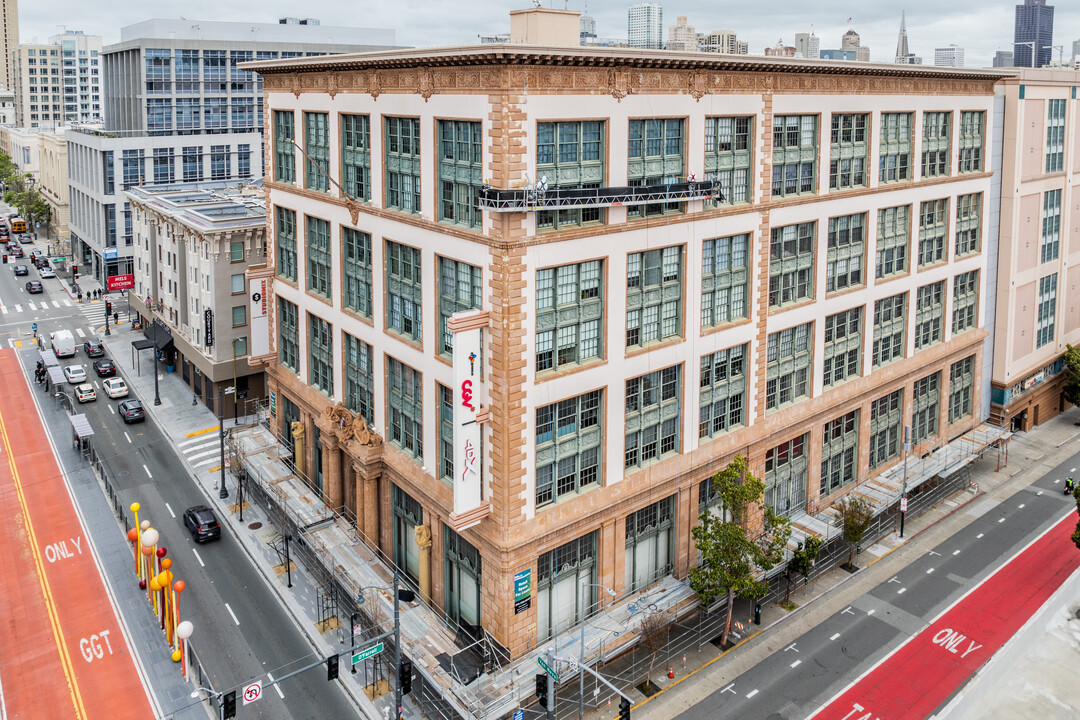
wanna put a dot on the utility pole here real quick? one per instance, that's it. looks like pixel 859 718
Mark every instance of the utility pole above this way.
pixel 397 646
pixel 903 496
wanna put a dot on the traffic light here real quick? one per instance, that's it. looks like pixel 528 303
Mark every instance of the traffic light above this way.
pixel 331 667
pixel 228 705
pixel 108 308
pixel 541 689
pixel 5 259
pixel 624 709
pixel 405 676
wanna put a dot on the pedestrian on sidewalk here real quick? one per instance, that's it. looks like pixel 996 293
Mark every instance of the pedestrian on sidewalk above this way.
pixel 115 318
pixel 80 296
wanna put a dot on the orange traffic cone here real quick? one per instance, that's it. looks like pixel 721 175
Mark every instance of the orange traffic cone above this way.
pixel 671 671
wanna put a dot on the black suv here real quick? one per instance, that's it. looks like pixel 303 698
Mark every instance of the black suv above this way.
pixel 202 523
pixel 93 348
pixel 131 411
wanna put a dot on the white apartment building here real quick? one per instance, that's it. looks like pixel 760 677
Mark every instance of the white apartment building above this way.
pixel 808 45
pixel 725 42
pixel 950 56
pixel 645 26
pixel 58 82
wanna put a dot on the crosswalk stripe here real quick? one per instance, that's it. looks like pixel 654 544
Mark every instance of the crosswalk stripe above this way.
pixel 200 446
pixel 196 456
pixel 18 308
pixel 80 333
pixel 56 303
pixel 4 308
pixel 204 462
pixel 32 306
pixel 67 303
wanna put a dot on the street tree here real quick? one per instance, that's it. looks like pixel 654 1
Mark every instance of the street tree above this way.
pixel 854 517
pixel 802 562
pixel 653 633
pixel 1076 532
pixel 735 552
pixel 1072 375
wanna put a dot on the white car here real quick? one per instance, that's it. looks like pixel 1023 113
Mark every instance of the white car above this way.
pixel 46 272
pixel 115 387
pixel 85 393
pixel 75 374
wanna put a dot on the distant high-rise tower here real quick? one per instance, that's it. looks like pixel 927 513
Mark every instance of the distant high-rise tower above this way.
pixel 951 56
pixel 645 25
pixel 9 24
pixel 808 45
pixel 1003 58
pixel 1034 30
pixel 902 51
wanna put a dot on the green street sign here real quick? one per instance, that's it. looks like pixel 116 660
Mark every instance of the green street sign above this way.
pixel 547 669
pixel 366 653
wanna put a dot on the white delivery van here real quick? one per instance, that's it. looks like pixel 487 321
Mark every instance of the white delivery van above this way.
pixel 63 343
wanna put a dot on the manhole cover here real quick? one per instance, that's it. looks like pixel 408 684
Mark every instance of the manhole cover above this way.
pixel 255 526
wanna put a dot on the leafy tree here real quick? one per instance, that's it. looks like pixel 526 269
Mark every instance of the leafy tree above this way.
pixel 734 554
pixel 802 562
pixel 855 516
pixel 1076 532
pixel 1072 375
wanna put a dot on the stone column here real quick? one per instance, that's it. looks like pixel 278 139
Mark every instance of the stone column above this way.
pixel 332 469
pixel 299 451
pixel 371 508
pixel 309 448
pixel 423 541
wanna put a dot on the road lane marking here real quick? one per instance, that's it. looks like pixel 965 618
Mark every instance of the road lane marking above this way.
pixel 167 506
pixel 232 614
pixel 276 686
pixel 111 410
pixel 1020 507
pixel 835 636
pixel 147 472
pixel 201 432
pixel 127 436
pixel 1001 520
pixel 956 552
pixel 791 647
pixel 751 694
pixel 901 591
pixel 67 303
pixel 870 612
pixel 80 333
pixel 55 304
pixel 197 557
pixel 18 307
pixel 32 306
pixel 796 663
pixel 196 456
pixel 930 571
pixel 894 579
pixel 977 537
pixel 730 688
pixel 847 610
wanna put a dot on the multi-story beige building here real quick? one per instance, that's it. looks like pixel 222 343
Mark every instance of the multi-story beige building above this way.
pixel 725 42
pixel 54 180
pixel 9 26
pixel 681 36
pixel 1037 300
pixel 641 325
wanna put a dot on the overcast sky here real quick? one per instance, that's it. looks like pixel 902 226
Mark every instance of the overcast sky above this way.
pixel 979 26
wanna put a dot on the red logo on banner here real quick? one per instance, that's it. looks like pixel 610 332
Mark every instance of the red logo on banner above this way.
pixel 466 395
pixel 121 282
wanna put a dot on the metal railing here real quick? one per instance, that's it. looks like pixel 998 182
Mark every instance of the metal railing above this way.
pixel 539 198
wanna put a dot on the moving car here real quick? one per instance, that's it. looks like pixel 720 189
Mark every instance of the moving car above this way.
pixel 131 411
pixel 75 374
pixel 46 272
pixel 104 367
pixel 34 287
pixel 93 348
pixel 202 523
pixel 85 393
pixel 35 254
pixel 21 270
pixel 16 251
pixel 115 387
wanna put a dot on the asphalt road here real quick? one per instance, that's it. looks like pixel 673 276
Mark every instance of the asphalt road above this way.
pixel 798 679
pixel 243 632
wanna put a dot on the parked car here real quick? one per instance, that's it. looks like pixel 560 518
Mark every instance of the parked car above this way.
pixel 21 270
pixel 85 393
pixel 115 387
pixel 104 367
pixel 93 348
pixel 46 272
pixel 75 374
pixel 25 239
pixel 131 411
pixel 202 523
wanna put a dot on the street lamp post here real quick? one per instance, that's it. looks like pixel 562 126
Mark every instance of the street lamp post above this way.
pixel 221 433
pixel 581 656
pixel 235 395
pixel 398 714
pixel 157 392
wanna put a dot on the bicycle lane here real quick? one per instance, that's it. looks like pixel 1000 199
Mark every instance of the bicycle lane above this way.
pixel 922 674
pixel 62 652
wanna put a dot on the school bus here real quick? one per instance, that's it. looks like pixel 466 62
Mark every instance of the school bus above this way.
pixel 18 225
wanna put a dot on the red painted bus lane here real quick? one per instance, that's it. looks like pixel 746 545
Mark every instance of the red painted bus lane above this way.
pixel 923 673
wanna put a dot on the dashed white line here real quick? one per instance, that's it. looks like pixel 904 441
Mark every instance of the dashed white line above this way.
pixel 169 508
pixel 111 409
pixel 869 612
pixel 955 552
pixel 129 440
pixel 147 472
pixel 233 615
pixel 1001 520
pixel 1020 506
pixel 930 571
pixel 276 686
pixel 835 636
pixel 197 557
pixel 796 663
pixel 751 694
pixel 978 536
pixel 901 591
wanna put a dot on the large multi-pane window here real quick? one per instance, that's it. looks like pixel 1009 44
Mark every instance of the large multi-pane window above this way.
pixel 725 276
pixel 847 154
pixel 159 116
pixel 568 440
pixel 653 296
pixel 446 432
pixel 965 302
pixel 728 157
pixel 839 452
pixel 890 322
pixel 359 378
pixel 655 157
pixel 569 310
pixel 795 153
pixel 886 417
pixel 318 256
pixel 935 144
pixel 971 140
pixel 933 225
pixel 652 416
pixel 403 294
pixel 649 547
pixel 1047 317
pixel 924 407
pixel 788 366
pixel 356 246
pixel 1050 239
pixel 288 335
pixel 723 391
pixel 406 407
pixel 285 231
pixel 961 381
pixel 132 165
pixel 892 240
pixel 570 155
pixel 284 151
pixel 220 162
pixel 846 250
pixel 968 223
pixel 402 151
pixel 895 148
pixel 564 578
pixel 929 313
pixel 785 476
pixel 164 165
pixel 1055 135
pixel 460 172
pixel 843 346
pixel 791 264
pixel 356 155
pixel 321 355
pixel 459 289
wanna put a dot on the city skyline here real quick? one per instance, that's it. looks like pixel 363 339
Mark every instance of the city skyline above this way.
pixel 424 23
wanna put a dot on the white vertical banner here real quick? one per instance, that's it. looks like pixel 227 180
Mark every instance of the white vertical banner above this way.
pixel 259 342
pixel 469 392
